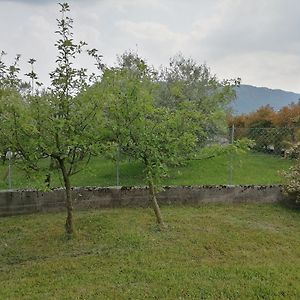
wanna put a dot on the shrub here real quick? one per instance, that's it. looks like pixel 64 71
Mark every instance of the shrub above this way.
pixel 292 175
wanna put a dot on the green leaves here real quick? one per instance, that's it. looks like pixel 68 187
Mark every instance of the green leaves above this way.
pixel 157 136
pixel 62 123
pixel 64 7
pixel 292 175
pixel 184 81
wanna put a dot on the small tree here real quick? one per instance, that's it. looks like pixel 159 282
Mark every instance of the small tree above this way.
pixel 62 124
pixel 11 89
pixel 184 80
pixel 159 137
pixel 292 175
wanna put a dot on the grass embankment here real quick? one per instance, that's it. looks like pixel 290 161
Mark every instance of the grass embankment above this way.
pixel 209 252
pixel 247 169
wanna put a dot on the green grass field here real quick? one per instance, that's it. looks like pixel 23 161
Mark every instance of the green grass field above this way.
pixel 247 169
pixel 220 251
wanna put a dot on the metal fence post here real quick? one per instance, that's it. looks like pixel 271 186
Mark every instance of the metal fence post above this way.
pixel 118 166
pixel 9 156
pixel 231 131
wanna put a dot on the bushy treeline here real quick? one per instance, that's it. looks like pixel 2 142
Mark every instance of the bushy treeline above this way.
pixel 267 117
pixel 159 117
pixel 276 132
pixel 273 131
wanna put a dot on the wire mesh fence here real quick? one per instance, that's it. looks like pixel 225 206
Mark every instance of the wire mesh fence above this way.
pixel 266 159
pixel 269 140
pixel 261 165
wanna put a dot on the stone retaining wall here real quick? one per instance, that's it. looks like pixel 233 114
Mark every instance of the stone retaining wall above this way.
pixel 30 201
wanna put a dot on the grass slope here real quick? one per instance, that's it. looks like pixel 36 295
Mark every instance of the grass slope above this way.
pixel 247 169
pixel 243 251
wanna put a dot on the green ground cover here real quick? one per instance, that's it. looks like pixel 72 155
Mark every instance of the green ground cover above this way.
pixel 247 169
pixel 220 251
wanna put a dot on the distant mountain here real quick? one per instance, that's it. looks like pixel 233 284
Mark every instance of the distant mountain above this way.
pixel 250 98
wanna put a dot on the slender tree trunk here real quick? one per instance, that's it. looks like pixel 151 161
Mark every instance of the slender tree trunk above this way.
pixel 155 205
pixel 48 180
pixel 69 221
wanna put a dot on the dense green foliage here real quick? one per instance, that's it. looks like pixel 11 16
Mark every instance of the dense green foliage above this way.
pixel 244 251
pixel 292 175
pixel 185 81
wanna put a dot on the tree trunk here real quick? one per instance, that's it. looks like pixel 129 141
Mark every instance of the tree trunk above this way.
pixel 155 205
pixel 48 181
pixel 69 221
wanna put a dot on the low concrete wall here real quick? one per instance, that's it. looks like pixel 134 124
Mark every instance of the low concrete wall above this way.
pixel 30 201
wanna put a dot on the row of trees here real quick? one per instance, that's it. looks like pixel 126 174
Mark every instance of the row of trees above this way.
pixel 267 117
pixel 273 131
pixel 157 117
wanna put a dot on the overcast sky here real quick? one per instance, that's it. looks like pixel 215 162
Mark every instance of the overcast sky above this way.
pixel 257 40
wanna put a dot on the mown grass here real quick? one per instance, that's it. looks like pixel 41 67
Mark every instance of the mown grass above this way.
pixel 220 251
pixel 251 168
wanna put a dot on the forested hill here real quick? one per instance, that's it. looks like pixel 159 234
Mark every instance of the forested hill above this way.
pixel 250 98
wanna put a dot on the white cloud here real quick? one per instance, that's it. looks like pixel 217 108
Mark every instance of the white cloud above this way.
pixel 150 31
pixel 258 40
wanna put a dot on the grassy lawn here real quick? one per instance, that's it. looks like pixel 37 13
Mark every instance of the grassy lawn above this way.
pixel 247 169
pixel 221 251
